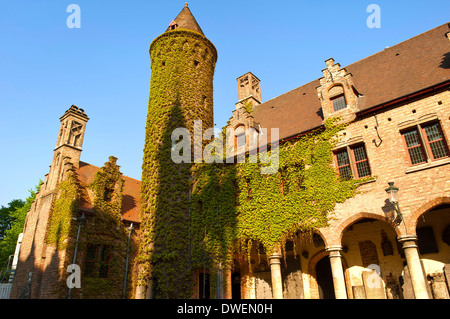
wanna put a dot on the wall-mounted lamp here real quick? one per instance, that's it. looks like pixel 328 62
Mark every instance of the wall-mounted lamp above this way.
pixel 393 199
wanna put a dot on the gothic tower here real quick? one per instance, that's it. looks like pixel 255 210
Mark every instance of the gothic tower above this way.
pixel 36 254
pixel 181 92
pixel 68 144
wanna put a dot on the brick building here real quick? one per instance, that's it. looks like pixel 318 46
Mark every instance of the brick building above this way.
pixel 393 101
pixel 82 215
pixel 396 104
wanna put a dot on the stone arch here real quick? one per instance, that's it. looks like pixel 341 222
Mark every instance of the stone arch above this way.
pixel 238 125
pixel 335 90
pixel 340 229
pixel 322 233
pixel 371 243
pixel 414 216
pixel 313 285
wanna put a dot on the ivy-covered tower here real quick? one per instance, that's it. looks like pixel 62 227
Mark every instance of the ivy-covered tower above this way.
pixel 181 92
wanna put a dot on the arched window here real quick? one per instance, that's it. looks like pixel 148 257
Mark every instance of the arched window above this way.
pixel 337 97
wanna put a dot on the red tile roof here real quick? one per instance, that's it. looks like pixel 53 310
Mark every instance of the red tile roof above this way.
pixel 415 64
pixel 407 67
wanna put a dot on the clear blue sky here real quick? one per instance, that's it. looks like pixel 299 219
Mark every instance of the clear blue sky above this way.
pixel 104 66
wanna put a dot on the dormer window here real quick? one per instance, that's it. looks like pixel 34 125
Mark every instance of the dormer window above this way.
pixel 337 97
pixel 339 102
pixel 173 25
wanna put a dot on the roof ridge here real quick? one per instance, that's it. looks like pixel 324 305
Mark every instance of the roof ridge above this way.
pixel 131 178
pixel 290 91
pixel 356 62
pixel 128 177
pixel 396 45
pixel 89 164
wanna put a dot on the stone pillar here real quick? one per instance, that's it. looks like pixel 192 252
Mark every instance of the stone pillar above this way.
pixel 337 271
pixel 418 279
pixel 275 271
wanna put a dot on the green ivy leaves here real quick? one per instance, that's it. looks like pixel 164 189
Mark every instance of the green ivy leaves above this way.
pixel 268 209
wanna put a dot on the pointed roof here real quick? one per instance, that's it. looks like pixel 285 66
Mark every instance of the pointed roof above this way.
pixel 185 20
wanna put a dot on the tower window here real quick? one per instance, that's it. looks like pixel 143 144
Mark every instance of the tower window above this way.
pixel 173 25
pixel 76 140
pixel 339 102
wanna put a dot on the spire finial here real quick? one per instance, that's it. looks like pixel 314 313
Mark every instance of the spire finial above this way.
pixel 185 20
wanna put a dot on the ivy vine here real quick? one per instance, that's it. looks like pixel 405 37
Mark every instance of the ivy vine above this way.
pixel 64 205
pixel 181 91
pixel 236 207
pixel 197 216
pixel 103 227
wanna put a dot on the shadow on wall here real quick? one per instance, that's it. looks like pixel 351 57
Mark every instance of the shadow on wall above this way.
pixel 445 63
pixel 165 208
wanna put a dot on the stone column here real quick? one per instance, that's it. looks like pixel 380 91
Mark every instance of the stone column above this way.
pixel 415 267
pixel 275 271
pixel 337 271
